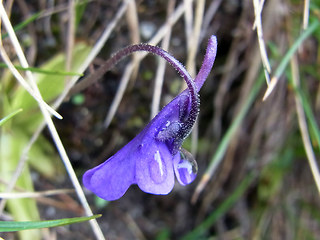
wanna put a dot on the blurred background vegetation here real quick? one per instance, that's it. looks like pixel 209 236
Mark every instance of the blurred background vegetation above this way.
pixel 258 160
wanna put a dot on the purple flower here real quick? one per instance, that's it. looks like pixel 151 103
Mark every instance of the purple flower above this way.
pixel 155 155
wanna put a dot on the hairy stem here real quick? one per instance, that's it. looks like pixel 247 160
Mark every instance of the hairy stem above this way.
pixel 195 102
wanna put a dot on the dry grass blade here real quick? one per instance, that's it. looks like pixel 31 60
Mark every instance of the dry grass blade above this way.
pixel 71 32
pixel 133 25
pixel 272 143
pixel 121 89
pixel 15 195
pixel 248 92
pixel 258 10
pixel 34 91
pixel 53 9
pixel 51 126
pixel 260 7
pixel 96 49
pixel 193 47
pixel 282 66
pixel 167 25
pixel 133 226
pixel 23 83
pixel 271 86
pixel 306 14
pixel 155 105
pixel 188 19
pixel 304 126
pixel 154 41
pixel 20 165
pixel 210 13
pixel 70 88
pixel 194 38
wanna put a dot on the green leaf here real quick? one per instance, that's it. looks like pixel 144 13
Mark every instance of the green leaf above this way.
pixel 200 230
pixel 9 226
pixel 314 128
pixel 50 86
pixel 3 120
pixel 80 8
pixel 24 23
pixel 43 71
pixel 224 143
pixel 44 159
pixel 11 147
pixel 285 60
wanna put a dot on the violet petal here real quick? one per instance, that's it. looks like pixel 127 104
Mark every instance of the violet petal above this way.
pixel 111 179
pixel 154 171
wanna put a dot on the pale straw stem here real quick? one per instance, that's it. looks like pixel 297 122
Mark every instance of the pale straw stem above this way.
pixel 16 195
pixel 304 126
pixel 306 14
pixel 155 105
pixel 52 128
pixel 23 62
pixel 154 41
pixel 263 51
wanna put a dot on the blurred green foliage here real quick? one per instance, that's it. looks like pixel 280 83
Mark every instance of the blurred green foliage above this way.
pixel 17 131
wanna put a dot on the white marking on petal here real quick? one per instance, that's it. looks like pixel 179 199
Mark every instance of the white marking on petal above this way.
pixel 168 123
pixel 157 157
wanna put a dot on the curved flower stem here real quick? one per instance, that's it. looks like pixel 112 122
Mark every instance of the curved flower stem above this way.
pixel 207 63
pixel 195 102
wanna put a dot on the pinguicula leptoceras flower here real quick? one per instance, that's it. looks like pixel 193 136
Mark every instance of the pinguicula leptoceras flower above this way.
pixel 155 155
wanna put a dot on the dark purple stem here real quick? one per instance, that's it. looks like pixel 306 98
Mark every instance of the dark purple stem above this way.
pixel 195 102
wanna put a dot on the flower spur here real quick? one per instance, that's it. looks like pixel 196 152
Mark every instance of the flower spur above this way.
pixel 154 156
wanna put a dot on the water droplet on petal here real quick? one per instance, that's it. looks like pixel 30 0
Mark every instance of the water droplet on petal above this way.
pixel 185 167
